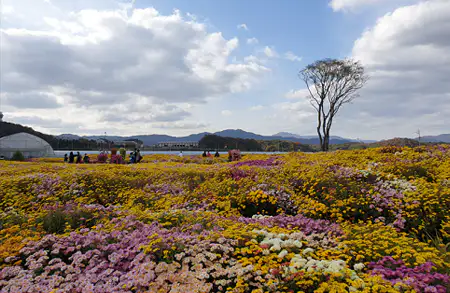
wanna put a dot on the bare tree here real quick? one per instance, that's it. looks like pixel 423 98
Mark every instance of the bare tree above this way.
pixel 331 83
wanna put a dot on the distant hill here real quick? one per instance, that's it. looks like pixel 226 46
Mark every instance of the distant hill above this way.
pixel 436 138
pixel 213 141
pixel 333 137
pixel 239 133
pixel 398 141
pixel 288 134
pixel 152 139
pixel 66 140
pixel 68 136
pixel 234 133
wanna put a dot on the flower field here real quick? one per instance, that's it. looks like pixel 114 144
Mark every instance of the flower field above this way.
pixel 375 220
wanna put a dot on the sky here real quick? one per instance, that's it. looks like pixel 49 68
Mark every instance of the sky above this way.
pixel 179 67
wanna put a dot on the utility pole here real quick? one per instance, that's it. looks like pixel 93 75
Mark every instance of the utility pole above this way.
pixel 418 133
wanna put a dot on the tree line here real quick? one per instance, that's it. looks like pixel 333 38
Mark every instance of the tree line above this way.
pixel 215 142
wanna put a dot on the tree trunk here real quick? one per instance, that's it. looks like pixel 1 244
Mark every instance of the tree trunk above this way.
pixel 320 138
pixel 326 143
pixel 327 135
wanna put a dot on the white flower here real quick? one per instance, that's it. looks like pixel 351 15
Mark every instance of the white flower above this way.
pixel 283 253
pixel 287 243
pixel 336 266
pixel 276 244
pixel 276 247
pixel 359 266
pixel 203 275
pixel 308 250
pixel 298 244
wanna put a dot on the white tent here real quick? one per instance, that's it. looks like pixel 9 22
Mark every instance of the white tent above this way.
pixel 31 146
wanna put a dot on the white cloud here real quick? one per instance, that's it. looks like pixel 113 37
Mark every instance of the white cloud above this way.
pixel 291 56
pixel 181 125
pixel 243 26
pixel 7 9
pixel 298 109
pixel 270 52
pixel 33 100
pixel 406 55
pixel 49 123
pixel 298 94
pixel 118 65
pixel 253 59
pixel 256 108
pixel 346 5
pixel 226 113
pixel 252 41
pixel 143 111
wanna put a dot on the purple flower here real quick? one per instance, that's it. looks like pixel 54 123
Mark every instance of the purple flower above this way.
pixel 420 277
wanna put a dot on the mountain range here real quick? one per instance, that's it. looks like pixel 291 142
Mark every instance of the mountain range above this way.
pixel 235 133
pixel 287 134
pixel 436 138
pixel 7 128
pixel 239 133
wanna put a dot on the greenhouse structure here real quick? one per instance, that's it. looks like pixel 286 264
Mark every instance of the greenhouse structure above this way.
pixel 29 145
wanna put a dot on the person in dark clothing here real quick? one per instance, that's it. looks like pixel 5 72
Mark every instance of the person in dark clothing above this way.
pixel 86 159
pixel 204 154
pixel 132 158
pixel 71 158
pixel 216 155
pixel 138 156
pixel 66 158
pixel 79 158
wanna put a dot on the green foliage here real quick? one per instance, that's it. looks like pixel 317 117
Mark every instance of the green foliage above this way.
pixel 18 156
pixel 213 142
pixel 218 142
pixel 284 146
pixel 11 218
pixel 54 222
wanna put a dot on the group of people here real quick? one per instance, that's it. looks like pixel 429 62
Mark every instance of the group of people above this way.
pixel 135 157
pixel 79 158
pixel 208 154
pixel 204 155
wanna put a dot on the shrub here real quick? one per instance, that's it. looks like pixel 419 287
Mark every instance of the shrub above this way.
pixel 55 222
pixel 116 159
pixel 18 156
pixel 102 158
pixel 123 153
pixel 235 155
